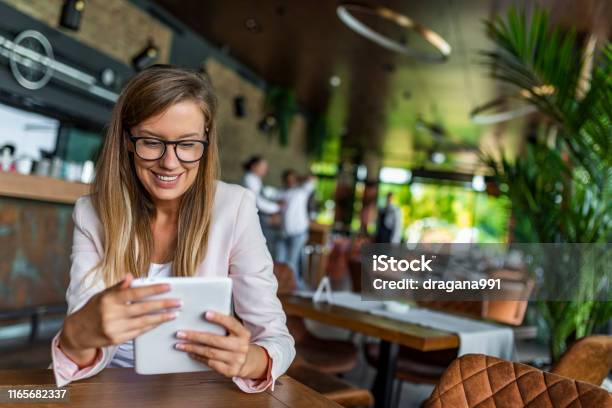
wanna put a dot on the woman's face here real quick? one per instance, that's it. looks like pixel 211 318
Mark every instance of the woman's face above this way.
pixel 167 178
pixel 261 168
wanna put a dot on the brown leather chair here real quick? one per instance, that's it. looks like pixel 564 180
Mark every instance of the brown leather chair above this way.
pixel 517 285
pixel 588 359
pixel 476 380
pixel 328 356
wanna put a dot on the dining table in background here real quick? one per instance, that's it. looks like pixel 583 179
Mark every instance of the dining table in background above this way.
pixel 392 334
pixel 123 387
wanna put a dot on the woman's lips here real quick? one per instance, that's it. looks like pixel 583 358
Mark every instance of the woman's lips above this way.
pixel 164 181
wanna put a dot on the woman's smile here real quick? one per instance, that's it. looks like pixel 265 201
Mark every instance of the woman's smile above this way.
pixel 166 180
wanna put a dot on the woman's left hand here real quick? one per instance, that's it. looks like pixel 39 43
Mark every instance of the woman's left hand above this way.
pixel 232 355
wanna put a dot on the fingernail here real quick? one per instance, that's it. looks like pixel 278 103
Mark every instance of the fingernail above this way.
pixel 178 303
pixel 179 346
pixel 210 315
pixel 181 335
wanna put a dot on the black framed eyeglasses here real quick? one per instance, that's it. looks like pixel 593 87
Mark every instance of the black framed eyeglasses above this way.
pixel 187 151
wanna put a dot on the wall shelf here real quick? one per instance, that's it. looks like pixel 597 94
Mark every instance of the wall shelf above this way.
pixel 40 188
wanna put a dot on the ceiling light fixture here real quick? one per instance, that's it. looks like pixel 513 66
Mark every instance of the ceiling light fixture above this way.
pixel 71 14
pixel 479 183
pixel 253 25
pixel 346 13
pixel 478 116
pixel 239 106
pixel 437 157
pixel 146 57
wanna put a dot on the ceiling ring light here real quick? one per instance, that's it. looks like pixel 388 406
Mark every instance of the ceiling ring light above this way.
pixel 346 14
pixel 479 117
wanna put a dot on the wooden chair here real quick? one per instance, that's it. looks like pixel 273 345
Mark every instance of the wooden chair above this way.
pixel 476 380
pixel 317 360
pixel 588 359
pixel 332 387
pixel 328 356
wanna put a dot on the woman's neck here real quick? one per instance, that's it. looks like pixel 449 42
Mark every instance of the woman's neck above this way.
pixel 164 229
pixel 166 211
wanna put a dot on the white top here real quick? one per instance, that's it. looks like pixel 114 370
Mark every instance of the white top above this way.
pixel 295 213
pixel 254 183
pixel 124 357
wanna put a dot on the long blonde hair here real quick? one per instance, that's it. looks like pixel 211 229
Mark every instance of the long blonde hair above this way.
pixel 124 206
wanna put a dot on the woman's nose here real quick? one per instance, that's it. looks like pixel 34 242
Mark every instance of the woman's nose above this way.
pixel 169 160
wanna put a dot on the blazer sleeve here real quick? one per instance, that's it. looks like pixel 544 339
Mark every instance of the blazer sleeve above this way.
pixel 83 285
pixel 254 293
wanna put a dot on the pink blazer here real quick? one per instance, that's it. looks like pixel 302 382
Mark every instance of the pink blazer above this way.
pixel 236 248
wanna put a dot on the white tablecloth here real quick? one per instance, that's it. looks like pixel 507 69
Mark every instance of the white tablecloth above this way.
pixel 474 336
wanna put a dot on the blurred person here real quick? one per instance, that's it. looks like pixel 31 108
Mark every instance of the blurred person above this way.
pixel 295 221
pixel 389 223
pixel 255 169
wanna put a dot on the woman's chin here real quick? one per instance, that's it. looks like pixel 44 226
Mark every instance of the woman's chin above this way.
pixel 165 194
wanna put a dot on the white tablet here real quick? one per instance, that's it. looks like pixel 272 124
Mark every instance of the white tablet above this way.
pixel 154 351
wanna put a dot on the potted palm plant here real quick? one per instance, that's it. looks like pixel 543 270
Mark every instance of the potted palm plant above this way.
pixel 561 185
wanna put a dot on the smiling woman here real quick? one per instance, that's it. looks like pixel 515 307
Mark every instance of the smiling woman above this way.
pixel 157 209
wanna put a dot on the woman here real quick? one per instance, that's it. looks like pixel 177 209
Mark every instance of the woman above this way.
pixel 157 209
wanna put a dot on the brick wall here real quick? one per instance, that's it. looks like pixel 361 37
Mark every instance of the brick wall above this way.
pixel 239 138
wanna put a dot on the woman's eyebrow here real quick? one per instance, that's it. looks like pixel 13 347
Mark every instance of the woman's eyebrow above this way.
pixel 186 135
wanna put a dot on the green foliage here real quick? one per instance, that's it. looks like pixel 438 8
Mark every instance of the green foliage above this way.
pixel 491 217
pixel 316 136
pixel 283 104
pixel 559 193
pixel 536 58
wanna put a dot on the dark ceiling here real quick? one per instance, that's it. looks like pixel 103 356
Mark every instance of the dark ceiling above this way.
pixel 301 44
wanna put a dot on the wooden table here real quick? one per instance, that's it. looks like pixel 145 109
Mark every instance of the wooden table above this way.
pixel 122 387
pixel 392 334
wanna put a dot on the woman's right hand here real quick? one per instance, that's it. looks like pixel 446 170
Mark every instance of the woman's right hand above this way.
pixel 112 317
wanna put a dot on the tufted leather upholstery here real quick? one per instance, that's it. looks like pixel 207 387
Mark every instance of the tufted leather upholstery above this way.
pixel 476 380
pixel 589 360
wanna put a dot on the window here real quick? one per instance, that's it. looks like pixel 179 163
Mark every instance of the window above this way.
pixel 28 132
